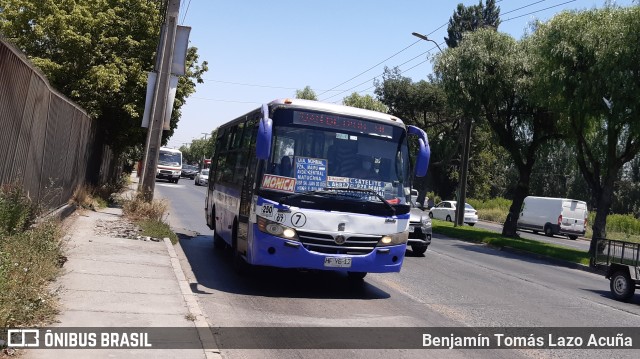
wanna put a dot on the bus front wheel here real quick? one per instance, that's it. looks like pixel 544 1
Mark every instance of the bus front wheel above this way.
pixel 239 263
pixel 356 276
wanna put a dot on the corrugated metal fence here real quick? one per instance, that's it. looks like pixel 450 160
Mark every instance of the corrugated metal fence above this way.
pixel 46 141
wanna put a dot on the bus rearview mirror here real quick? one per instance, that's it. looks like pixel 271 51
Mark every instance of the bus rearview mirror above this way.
pixel 424 152
pixel 263 140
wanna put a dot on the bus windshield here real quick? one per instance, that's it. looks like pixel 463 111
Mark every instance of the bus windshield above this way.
pixel 167 158
pixel 330 154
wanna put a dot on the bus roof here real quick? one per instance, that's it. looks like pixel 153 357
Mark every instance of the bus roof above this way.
pixel 167 149
pixel 339 109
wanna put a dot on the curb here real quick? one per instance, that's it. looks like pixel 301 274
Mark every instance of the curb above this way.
pixel 502 224
pixel 60 213
pixel 554 261
pixel 206 337
pixel 523 253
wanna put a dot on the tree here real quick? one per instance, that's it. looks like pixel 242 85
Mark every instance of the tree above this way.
pixel 589 72
pixel 468 19
pixel 366 102
pixel 488 77
pixel 424 104
pixel 199 149
pixel 307 94
pixel 98 53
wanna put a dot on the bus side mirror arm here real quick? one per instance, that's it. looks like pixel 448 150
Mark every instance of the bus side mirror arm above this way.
pixel 263 140
pixel 424 152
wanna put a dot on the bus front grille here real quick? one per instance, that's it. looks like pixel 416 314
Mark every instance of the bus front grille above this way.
pixel 325 243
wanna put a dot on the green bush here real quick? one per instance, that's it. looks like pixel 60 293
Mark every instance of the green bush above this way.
pixel 625 223
pixel 500 203
pixel 28 262
pixel 17 211
pixel 432 196
pixel 493 215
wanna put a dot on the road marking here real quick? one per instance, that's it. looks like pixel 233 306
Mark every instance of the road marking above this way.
pixel 170 185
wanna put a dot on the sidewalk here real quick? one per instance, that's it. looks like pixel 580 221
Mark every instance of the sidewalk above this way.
pixel 114 282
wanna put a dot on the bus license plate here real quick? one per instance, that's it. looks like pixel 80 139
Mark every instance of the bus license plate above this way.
pixel 337 262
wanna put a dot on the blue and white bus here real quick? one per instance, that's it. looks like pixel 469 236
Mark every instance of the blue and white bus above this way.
pixel 309 185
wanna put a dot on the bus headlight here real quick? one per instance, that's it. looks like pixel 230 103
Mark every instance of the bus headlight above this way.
pixel 276 229
pixel 393 239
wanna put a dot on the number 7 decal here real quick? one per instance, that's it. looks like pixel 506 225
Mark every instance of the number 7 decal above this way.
pixel 298 219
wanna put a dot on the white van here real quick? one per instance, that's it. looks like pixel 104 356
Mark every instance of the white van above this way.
pixel 169 164
pixel 562 216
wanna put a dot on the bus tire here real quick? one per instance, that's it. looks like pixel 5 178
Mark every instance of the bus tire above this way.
pixel 218 241
pixel 356 276
pixel 622 287
pixel 240 265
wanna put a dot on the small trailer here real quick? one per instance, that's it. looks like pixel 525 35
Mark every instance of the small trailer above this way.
pixel 620 261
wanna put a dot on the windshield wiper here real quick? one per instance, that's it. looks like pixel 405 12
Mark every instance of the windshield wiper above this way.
pixel 369 191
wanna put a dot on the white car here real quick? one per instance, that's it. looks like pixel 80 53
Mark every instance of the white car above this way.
pixel 202 178
pixel 446 211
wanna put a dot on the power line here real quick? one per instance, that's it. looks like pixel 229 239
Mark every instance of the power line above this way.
pixel 520 8
pixel 371 68
pixel 186 11
pixel 379 63
pixel 375 77
pixel 533 12
pixel 218 100
pixel 257 85
pixel 388 58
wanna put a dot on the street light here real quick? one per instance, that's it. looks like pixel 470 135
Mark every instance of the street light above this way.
pixel 425 38
pixel 464 169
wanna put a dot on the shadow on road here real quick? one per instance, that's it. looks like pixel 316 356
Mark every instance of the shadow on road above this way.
pixel 214 269
pixel 607 294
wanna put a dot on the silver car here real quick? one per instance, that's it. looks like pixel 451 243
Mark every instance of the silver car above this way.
pixel 202 178
pixel 419 230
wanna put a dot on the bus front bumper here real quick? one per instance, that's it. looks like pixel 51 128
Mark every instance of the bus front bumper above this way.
pixel 273 251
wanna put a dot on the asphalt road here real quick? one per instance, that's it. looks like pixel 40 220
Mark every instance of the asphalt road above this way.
pixel 455 284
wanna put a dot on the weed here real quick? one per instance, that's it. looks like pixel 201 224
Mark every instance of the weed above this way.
pixel 28 262
pixel 17 211
pixel 136 208
pixel 156 229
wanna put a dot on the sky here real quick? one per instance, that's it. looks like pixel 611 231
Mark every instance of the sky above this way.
pixel 258 50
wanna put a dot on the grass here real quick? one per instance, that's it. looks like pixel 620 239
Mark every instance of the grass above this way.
pixel 149 216
pixel 30 258
pixel 157 229
pixel 497 240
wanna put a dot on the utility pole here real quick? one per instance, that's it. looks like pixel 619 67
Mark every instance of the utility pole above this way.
pixel 464 170
pixel 160 100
